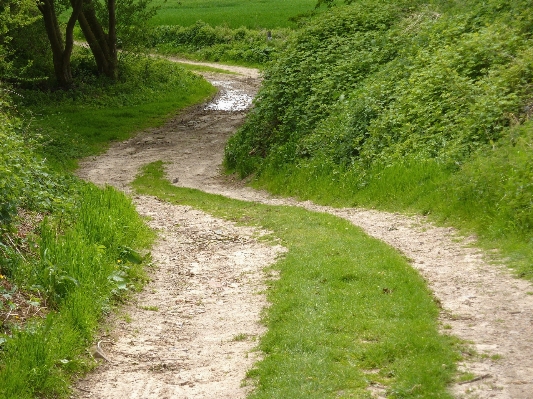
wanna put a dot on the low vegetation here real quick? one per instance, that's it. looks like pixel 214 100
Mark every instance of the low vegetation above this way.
pixel 246 33
pixel 76 123
pixel 202 41
pixel 404 106
pixel 69 251
pixel 347 312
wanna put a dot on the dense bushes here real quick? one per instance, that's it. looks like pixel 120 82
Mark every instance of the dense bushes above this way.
pixel 25 181
pixel 383 104
pixel 219 43
pixel 376 82
pixel 325 61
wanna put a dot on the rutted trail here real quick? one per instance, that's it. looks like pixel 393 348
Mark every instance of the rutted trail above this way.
pixel 481 303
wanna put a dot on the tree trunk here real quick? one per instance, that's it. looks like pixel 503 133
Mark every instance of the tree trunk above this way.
pixel 112 39
pixel 103 46
pixel 61 51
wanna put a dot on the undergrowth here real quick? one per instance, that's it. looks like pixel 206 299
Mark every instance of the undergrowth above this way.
pixel 346 312
pixel 404 106
pixel 68 250
pixel 251 47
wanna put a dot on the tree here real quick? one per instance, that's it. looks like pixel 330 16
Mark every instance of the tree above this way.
pixel 100 20
pixel 125 17
pixel 61 48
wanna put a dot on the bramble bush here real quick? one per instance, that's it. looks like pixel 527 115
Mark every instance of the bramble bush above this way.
pixel 388 103
pixel 218 43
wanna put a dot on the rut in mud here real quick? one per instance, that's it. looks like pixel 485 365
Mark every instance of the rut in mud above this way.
pixel 207 269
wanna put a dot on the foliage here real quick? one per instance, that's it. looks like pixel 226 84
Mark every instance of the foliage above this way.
pixel 17 22
pixel 421 109
pixel 326 60
pixel 132 18
pixel 25 180
pixel 218 43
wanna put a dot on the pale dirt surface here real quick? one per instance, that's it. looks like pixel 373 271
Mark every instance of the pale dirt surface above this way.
pixel 481 303
pixel 192 331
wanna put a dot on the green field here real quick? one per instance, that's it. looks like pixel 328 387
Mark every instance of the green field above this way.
pixel 251 13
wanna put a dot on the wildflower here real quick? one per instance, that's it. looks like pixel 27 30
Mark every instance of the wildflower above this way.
pixel 2 276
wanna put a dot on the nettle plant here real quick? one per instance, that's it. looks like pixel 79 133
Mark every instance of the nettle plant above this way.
pixel 15 165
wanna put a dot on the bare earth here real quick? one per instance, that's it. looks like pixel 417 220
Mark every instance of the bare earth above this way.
pixel 191 333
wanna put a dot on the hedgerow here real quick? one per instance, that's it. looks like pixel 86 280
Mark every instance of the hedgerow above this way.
pixel 374 88
pixel 218 43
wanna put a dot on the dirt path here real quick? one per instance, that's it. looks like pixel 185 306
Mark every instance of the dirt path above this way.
pixel 481 303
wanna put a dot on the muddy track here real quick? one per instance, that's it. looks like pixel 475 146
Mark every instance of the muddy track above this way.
pixel 187 336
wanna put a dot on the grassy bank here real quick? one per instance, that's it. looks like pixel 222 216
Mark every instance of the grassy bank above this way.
pixel 347 312
pixel 80 265
pixel 407 107
pixel 68 250
pixel 83 121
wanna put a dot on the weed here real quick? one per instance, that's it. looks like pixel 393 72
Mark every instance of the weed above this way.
pixel 240 337
pixel 150 308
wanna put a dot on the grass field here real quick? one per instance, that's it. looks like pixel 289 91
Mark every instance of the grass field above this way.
pixel 249 13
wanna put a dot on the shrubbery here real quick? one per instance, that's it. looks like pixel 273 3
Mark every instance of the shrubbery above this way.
pixel 219 43
pixel 434 91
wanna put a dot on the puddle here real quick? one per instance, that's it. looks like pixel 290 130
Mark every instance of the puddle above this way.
pixel 229 98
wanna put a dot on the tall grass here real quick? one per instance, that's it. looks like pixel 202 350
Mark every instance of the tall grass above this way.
pixel 82 268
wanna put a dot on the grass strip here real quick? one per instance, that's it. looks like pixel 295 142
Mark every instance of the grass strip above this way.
pixel 348 311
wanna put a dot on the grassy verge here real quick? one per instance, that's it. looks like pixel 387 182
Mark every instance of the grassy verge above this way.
pixel 347 312
pixel 251 13
pixel 422 120
pixel 82 122
pixel 489 196
pixel 67 248
pixel 80 264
